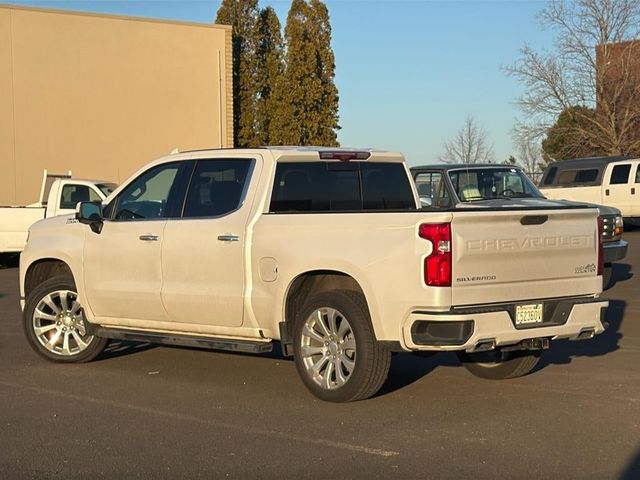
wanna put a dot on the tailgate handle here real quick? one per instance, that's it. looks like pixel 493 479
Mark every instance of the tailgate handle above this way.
pixel 534 219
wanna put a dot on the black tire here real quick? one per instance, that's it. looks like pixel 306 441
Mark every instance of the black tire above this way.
pixel 607 276
pixel 95 345
pixel 370 368
pixel 497 365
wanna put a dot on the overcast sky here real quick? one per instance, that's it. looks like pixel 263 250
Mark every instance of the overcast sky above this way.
pixel 408 72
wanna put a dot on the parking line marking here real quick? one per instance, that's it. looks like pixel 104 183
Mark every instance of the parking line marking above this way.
pixel 190 418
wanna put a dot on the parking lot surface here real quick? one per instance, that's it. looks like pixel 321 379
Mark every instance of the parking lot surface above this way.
pixel 144 411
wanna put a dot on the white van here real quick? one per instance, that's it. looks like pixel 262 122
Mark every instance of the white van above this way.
pixel 612 181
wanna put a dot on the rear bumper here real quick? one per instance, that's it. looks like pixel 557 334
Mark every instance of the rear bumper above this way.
pixel 614 251
pixel 573 319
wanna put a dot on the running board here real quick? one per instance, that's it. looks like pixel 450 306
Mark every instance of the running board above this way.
pixel 211 343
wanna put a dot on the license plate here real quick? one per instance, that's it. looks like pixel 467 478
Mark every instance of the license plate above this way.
pixel 528 314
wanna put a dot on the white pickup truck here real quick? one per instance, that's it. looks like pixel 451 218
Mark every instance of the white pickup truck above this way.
pixel 324 250
pixel 59 195
pixel 611 181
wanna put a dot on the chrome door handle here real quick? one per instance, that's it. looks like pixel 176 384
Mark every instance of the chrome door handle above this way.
pixel 148 238
pixel 228 238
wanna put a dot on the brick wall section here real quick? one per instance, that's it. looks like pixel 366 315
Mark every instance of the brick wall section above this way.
pixel 618 76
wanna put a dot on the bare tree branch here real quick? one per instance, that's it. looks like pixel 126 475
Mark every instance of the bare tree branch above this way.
pixel 468 146
pixel 588 66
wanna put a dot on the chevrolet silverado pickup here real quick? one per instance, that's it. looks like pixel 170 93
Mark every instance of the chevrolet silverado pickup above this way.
pixel 603 180
pixel 326 251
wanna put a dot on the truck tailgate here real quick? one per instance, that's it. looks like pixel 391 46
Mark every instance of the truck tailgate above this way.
pixel 516 255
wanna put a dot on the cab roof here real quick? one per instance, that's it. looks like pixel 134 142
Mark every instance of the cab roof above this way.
pixel 306 153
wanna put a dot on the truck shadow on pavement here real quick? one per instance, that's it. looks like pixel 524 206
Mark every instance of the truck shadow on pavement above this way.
pixel 563 351
pixel 121 348
pixel 407 368
pixel 620 273
pixel 632 471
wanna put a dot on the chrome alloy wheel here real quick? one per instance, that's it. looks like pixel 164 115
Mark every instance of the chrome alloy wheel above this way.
pixel 58 323
pixel 328 348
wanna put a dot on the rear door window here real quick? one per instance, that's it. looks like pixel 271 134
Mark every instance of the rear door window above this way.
pixel 216 187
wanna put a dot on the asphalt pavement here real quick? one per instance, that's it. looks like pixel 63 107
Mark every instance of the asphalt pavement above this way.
pixel 144 411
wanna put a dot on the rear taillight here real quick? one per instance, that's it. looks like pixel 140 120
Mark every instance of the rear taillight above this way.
pixel 437 266
pixel 600 247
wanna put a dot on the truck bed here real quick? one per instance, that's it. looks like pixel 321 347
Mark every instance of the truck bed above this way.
pixel 14 225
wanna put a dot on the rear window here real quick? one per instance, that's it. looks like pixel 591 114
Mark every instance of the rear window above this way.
pixel 477 184
pixel 578 177
pixel 341 187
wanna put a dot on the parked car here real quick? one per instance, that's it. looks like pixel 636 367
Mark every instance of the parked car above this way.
pixel 611 181
pixel 443 184
pixel 324 250
pixel 59 195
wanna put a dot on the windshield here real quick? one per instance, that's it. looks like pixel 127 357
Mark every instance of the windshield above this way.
pixel 476 184
pixel 107 188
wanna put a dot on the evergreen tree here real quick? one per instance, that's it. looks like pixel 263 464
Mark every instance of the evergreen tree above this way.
pixel 572 136
pixel 326 67
pixel 242 15
pixel 269 71
pixel 306 96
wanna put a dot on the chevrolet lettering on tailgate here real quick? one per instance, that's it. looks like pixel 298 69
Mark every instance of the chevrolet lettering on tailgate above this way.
pixel 529 243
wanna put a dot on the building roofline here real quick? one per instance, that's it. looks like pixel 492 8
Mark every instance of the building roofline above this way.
pixel 615 44
pixel 113 16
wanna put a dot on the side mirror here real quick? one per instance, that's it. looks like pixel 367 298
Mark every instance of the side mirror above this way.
pixel 90 213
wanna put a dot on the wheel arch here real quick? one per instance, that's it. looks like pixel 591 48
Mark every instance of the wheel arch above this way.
pixel 43 269
pixel 310 283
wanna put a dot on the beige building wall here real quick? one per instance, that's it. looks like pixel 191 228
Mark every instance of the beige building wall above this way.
pixel 103 95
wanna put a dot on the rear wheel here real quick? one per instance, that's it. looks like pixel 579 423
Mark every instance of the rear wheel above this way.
pixel 54 323
pixel 499 365
pixel 607 276
pixel 335 349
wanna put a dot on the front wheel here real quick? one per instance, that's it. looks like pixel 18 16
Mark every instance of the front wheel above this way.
pixel 54 323
pixel 499 365
pixel 335 349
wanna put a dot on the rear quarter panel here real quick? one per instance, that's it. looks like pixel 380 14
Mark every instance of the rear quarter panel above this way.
pixel 381 251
